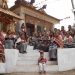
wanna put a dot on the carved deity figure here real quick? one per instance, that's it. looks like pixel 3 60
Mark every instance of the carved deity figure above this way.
pixel 4 4
pixel 1 3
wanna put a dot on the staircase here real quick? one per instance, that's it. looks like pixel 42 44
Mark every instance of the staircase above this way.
pixel 29 62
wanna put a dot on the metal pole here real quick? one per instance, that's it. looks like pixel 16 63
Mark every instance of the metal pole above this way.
pixel 72 4
pixel 73 8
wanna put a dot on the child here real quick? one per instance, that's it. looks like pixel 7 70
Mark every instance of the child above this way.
pixel 42 63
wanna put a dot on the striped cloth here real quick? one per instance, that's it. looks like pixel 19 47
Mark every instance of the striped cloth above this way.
pixel 2 55
pixel 59 41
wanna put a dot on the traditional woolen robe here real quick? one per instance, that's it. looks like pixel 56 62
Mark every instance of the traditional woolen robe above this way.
pixel 2 55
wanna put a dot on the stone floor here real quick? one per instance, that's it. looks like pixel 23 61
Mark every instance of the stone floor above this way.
pixel 72 72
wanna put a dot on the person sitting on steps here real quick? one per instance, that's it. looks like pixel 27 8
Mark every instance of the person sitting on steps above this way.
pixel 42 63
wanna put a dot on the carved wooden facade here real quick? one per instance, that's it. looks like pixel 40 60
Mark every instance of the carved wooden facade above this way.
pixel 33 17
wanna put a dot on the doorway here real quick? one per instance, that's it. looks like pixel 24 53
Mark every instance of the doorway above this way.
pixel 30 29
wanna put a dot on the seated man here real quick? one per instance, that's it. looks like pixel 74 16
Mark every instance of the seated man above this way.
pixel 68 41
pixel 21 44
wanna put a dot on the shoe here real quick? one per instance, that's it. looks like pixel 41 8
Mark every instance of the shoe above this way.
pixel 24 52
pixel 40 72
pixel 44 72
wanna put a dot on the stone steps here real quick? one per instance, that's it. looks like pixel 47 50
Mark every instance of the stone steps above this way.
pixel 31 56
pixel 34 68
pixel 29 62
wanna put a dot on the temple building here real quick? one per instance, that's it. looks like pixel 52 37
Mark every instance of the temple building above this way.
pixel 7 17
pixel 34 20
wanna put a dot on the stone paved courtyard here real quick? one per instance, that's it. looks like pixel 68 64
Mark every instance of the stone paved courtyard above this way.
pixel 72 72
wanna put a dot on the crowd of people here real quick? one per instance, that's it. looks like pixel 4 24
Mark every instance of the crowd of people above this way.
pixel 11 40
pixel 40 40
pixel 61 38
pixel 46 41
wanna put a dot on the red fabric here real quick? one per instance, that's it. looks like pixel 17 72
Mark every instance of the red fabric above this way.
pixel 5 20
pixel 70 39
pixel 59 41
pixel 1 38
pixel 41 51
pixel 1 48
pixel 2 56
pixel 41 60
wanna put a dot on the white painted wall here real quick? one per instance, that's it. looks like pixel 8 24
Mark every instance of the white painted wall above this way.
pixel 11 56
pixel 66 59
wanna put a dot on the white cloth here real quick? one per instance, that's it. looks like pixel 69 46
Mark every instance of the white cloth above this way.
pixel 0 42
pixel 42 67
pixel 18 40
pixel 4 35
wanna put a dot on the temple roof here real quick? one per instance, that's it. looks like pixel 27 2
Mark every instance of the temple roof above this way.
pixel 30 6
pixel 8 12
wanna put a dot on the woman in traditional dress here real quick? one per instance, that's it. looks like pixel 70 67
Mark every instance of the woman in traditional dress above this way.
pixel 9 40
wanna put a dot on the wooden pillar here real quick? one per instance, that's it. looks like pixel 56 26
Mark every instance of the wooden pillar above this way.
pixel 22 15
pixel 35 28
